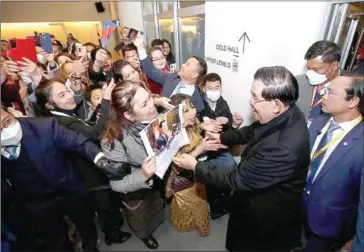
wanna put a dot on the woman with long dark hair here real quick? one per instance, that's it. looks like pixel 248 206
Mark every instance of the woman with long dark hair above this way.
pixel 132 109
pixel 167 51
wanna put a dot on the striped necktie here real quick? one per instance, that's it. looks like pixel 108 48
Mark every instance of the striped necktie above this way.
pixel 324 141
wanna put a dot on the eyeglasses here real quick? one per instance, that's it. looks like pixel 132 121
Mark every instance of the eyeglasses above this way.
pixel 158 59
pixel 253 102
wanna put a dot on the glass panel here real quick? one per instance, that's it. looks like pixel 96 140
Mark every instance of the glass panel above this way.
pixel 151 31
pixel 147 8
pixel 165 6
pixel 166 30
pixel 192 36
pixel 184 4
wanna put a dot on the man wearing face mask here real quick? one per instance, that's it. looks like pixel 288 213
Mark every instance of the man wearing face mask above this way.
pixel 29 148
pixel 322 63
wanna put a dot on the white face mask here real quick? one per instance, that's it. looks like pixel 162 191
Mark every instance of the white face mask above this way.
pixel 213 95
pixel 11 136
pixel 315 78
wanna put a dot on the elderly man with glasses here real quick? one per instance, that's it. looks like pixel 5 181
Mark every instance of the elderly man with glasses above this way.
pixel 268 183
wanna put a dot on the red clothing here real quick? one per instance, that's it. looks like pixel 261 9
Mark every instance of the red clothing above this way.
pixel 10 95
pixel 154 87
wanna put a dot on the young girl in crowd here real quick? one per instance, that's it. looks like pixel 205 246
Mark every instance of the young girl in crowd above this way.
pixel 189 207
pixel 132 108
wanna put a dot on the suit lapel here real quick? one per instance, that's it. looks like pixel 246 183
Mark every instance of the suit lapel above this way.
pixel 315 130
pixel 169 87
pixel 344 146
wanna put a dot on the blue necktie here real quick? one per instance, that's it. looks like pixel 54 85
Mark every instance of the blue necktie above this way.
pixel 325 140
pixel 12 151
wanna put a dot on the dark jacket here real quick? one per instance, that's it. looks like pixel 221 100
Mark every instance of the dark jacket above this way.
pixel 169 81
pixel 335 217
pixel 267 185
pixel 46 144
pixel 222 110
pixel 94 132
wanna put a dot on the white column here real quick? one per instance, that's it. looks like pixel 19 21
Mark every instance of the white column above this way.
pixel 130 14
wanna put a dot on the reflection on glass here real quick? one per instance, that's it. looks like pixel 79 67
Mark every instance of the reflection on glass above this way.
pixel 147 8
pixel 151 32
pixel 167 31
pixel 184 4
pixel 165 6
pixel 192 37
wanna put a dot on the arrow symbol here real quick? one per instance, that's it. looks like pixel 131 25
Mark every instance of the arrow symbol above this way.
pixel 244 37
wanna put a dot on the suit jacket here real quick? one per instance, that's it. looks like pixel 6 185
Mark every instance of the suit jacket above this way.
pixel 332 199
pixel 358 243
pixel 305 91
pixel 169 81
pixel 91 131
pixel 268 183
pixel 47 142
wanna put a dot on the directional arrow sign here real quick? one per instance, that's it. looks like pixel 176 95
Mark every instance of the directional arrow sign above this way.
pixel 244 37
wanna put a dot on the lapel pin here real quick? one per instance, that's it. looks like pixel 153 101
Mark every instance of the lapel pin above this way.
pixel 345 143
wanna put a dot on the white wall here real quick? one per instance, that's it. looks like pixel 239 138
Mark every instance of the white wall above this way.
pixel 280 33
pixel 130 14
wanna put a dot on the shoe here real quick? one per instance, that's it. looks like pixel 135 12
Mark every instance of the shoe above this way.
pixel 117 236
pixel 217 214
pixel 150 242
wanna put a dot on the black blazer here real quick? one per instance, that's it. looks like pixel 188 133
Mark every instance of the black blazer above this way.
pixel 267 184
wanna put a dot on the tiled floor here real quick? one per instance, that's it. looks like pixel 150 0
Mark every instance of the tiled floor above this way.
pixel 171 240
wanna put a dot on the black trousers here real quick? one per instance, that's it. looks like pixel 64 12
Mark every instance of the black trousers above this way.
pixel 49 227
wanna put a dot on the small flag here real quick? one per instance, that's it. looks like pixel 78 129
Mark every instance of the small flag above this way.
pixel 108 28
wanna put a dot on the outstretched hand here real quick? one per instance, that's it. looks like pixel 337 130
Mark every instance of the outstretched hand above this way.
pixel 186 161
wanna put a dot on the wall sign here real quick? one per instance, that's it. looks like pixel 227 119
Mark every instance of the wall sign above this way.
pixel 234 51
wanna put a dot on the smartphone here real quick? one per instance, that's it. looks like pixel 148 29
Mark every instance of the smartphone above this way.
pixel 133 33
pixel 46 42
pixel 81 51
pixel 20 48
pixel 172 68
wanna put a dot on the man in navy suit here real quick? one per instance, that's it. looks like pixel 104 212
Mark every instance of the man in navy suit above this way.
pixel 43 184
pixel 184 81
pixel 358 243
pixel 331 193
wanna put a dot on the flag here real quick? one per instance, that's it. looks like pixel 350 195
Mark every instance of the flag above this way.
pixel 108 28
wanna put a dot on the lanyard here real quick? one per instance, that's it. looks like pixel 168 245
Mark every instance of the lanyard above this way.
pixel 333 141
pixel 313 99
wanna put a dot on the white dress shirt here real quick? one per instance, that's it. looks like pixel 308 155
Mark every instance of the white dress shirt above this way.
pixel 345 126
pixel 187 89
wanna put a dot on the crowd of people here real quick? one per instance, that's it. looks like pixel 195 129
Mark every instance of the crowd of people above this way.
pixel 71 151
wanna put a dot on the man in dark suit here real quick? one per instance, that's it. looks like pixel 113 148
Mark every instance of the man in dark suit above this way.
pixel 268 182
pixel 358 243
pixel 332 189
pixel 185 81
pixel 43 183
pixel 322 63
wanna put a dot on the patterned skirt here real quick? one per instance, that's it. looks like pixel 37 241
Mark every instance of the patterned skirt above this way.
pixel 189 210
pixel 144 211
